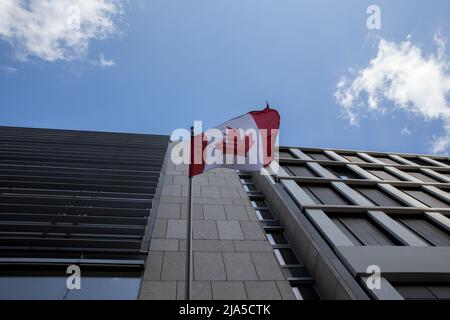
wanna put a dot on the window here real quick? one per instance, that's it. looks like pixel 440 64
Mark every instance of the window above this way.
pixel 264 215
pixel 386 160
pixel 343 172
pixel 258 204
pixel 431 233
pixel 305 292
pixel 421 176
pixel 423 291
pixel 276 238
pixel 383 174
pixel 246 180
pixel 426 198
pixel 354 158
pixel 362 231
pixel 250 188
pixel 300 171
pixel 286 257
pixel 324 194
pixel 378 197
pixel 296 272
pixel 318 156
pixel 55 288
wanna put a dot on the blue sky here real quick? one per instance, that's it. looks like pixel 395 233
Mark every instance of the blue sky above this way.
pixel 180 61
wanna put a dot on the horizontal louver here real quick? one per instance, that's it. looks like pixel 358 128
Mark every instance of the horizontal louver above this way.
pixel 75 192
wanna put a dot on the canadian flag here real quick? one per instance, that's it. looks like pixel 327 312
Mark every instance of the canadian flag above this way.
pixel 247 143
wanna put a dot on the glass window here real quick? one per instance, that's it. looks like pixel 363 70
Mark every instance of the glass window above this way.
pixel 286 257
pixel 276 238
pixel 250 188
pixel 264 215
pixel 305 292
pixel 296 272
pixel 259 204
pixel 55 288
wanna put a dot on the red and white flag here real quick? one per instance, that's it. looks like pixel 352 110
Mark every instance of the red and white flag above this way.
pixel 247 143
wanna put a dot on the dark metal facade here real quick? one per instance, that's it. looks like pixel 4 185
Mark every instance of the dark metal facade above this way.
pixel 77 194
pixel 347 211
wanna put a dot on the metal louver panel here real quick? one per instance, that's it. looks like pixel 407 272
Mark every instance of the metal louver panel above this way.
pixel 76 193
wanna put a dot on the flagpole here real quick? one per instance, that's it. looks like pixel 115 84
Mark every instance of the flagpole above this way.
pixel 188 278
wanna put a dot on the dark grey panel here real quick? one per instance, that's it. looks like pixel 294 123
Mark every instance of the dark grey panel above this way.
pixel 378 197
pixel 425 198
pixel 415 292
pixel 346 231
pixel 327 195
pixel 383 174
pixel 441 292
pixel 318 156
pixel 286 154
pixel 423 291
pixel 426 230
pixel 300 171
pixel 365 231
pixel 354 158
pixel 343 172
pixel 311 195
pixel 421 176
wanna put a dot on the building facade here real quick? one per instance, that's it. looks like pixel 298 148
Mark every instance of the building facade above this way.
pixel 76 199
pixel 114 206
pixel 348 214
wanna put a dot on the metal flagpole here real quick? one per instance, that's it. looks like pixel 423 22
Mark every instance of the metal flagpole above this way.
pixel 188 278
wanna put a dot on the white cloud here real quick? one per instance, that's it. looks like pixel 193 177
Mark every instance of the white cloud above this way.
pixel 416 83
pixel 105 62
pixel 56 29
pixel 405 132
pixel 7 70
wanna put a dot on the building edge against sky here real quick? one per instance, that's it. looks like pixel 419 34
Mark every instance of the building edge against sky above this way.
pixel 113 204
